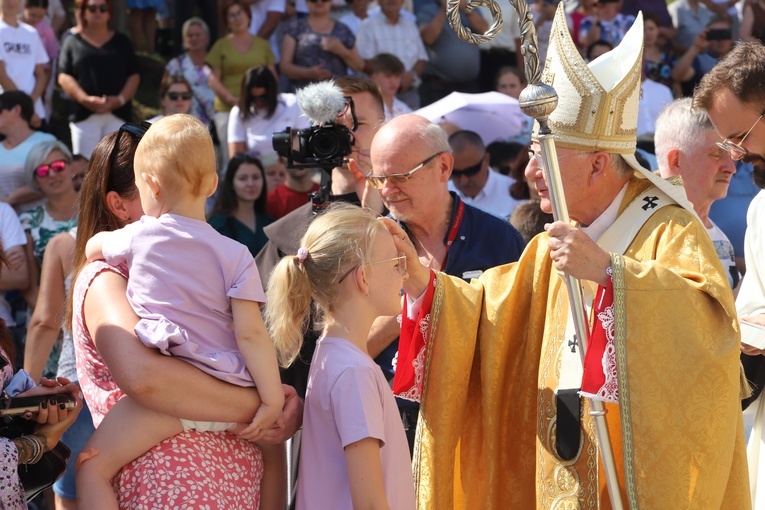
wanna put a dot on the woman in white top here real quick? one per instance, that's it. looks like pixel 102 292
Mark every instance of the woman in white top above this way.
pixel 261 112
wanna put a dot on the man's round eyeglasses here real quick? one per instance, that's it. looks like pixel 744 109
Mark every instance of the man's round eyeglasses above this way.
pixel 400 266
pixel 736 151
pixel 378 181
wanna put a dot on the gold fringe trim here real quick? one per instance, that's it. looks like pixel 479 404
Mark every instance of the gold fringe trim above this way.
pixel 620 341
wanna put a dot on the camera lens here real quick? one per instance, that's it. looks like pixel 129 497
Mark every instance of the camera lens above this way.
pixel 282 143
pixel 324 143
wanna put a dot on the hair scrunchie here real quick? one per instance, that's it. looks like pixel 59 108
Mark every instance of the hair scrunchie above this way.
pixel 302 254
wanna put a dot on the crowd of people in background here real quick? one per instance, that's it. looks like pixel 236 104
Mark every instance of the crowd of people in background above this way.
pixel 235 66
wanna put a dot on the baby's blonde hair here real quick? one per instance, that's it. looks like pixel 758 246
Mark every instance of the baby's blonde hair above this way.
pixel 178 151
pixel 336 241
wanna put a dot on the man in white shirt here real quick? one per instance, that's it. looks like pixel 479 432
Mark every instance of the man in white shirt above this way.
pixel 23 57
pixel 389 32
pixel 686 146
pixel 474 181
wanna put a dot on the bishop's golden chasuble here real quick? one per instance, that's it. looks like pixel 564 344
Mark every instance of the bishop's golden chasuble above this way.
pixel 486 438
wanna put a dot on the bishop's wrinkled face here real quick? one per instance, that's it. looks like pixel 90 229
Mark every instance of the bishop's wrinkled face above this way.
pixel 575 167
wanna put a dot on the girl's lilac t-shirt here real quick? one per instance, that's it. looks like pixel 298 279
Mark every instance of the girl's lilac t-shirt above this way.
pixel 347 400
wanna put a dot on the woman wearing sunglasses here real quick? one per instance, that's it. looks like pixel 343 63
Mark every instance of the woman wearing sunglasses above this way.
pixel 317 48
pixel 192 468
pixel 48 170
pixel 174 97
pixel 50 164
pixel 261 112
pixel 98 70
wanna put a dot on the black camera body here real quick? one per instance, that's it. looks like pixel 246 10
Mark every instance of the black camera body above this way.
pixel 322 146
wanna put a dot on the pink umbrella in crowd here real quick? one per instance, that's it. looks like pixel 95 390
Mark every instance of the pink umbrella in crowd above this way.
pixel 494 116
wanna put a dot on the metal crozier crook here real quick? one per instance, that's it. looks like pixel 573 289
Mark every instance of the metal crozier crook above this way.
pixel 539 100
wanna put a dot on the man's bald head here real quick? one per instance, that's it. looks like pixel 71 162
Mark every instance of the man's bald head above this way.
pixel 410 132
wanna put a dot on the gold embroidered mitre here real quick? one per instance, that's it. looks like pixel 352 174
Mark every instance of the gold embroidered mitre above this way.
pixel 597 103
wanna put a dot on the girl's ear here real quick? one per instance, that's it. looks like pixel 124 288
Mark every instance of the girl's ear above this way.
pixel 362 280
pixel 117 206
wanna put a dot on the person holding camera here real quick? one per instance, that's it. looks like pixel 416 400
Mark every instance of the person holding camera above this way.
pixel 713 43
pixel 284 234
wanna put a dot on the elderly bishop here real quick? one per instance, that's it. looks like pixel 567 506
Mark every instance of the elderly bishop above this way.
pixel 503 418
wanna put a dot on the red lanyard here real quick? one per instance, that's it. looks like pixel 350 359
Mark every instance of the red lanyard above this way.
pixel 453 230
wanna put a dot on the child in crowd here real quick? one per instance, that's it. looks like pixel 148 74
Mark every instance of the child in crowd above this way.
pixel 529 219
pixel 386 71
pixel 354 452
pixel 511 81
pixel 212 319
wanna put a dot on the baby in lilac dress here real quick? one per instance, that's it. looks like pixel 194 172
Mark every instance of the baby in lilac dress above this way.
pixel 196 292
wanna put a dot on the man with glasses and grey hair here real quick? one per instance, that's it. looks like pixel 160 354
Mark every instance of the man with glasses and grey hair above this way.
pixel 412 164
pixel 733 95
pixel 686 147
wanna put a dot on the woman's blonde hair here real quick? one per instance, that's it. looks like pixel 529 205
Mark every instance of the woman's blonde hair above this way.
pixel 336 241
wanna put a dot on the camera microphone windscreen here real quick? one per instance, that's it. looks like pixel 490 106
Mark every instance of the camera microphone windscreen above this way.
pixel 321 102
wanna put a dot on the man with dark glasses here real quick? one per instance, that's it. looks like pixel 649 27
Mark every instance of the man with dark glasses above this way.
pixel 474 181
pixel 733 96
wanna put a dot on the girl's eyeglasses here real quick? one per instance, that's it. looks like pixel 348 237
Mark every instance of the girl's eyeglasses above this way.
pixel 53 167
pixel 400 267
pixel 98 8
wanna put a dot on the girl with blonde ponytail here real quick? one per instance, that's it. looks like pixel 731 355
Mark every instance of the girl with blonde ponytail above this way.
pixel 347 272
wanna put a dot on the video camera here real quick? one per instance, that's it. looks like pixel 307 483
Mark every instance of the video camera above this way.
pixel 323 146
pixel 327 142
